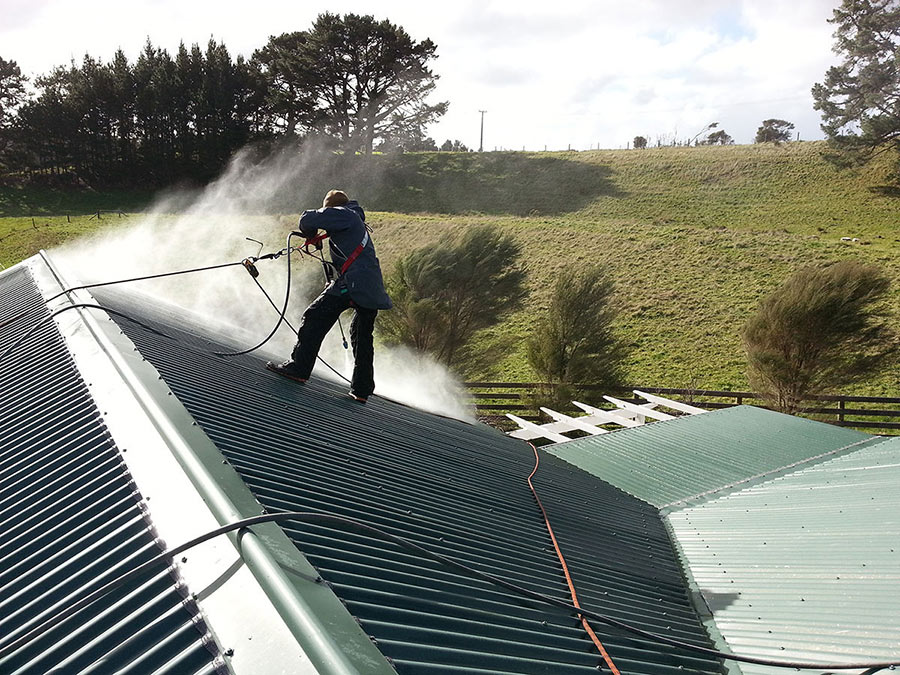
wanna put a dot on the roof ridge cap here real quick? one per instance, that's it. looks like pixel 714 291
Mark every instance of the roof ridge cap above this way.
pixel 763 477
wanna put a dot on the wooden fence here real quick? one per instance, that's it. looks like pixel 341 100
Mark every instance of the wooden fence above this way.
pixel 493 399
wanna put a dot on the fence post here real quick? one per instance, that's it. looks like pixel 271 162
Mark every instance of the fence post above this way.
pixel 841 405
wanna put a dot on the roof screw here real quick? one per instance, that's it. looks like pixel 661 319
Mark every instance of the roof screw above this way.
pixel 319 580
pixel 184 559
pixel 229 652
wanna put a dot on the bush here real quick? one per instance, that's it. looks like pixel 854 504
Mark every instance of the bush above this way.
pixel 574 343
pixel 823 328
pixel 444 294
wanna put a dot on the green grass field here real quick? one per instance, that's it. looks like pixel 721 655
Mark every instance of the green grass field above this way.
pixel 694 236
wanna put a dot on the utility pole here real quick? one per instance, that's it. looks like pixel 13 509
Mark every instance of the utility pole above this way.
pixel 481 140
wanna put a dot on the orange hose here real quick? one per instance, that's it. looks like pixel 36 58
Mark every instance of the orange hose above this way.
pixel 565 567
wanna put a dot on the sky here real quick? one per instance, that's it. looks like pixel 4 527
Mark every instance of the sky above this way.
pixel 577 74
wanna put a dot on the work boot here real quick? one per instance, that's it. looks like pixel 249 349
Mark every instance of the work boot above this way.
pixel 286 369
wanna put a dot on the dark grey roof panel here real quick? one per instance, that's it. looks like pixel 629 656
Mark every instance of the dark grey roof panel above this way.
pixel 454 488
pixel 71 520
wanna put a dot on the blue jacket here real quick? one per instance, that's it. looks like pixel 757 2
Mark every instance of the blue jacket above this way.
pixel 346 230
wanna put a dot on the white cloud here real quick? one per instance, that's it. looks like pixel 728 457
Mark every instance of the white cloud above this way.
pixel 582 72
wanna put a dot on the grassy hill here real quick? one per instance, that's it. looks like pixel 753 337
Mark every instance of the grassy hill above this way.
pixel 694 236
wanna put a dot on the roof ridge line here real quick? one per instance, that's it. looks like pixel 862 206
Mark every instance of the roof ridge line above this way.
pixel 764 476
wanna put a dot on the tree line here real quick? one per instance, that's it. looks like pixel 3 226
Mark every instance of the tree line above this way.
pixel 354 83
pixel 770 131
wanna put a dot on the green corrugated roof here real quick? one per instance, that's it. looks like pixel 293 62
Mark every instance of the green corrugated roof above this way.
pixel 807 565
pixel 667 462
pixel 454 488
pixel 72 519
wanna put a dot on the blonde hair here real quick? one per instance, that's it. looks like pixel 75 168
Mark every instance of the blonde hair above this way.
pixel 335 198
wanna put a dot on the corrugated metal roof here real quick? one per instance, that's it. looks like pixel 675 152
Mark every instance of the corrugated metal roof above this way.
pixel 454 488
pixel 807 565
pixel 667 462
pixel 72 520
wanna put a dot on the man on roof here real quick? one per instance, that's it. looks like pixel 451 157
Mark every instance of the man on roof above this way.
pixel 357 283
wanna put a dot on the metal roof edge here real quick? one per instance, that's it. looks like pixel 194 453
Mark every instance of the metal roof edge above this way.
pixel 737 486
pixel 321 629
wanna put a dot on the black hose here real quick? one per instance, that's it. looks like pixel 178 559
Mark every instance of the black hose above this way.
pixel 89 305
pixel 287 296
pixel 312 517
pixel 151 276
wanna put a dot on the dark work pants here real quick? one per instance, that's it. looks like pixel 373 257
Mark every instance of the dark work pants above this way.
pixel 317 320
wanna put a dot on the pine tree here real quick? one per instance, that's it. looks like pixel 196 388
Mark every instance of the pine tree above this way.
pixel 860 98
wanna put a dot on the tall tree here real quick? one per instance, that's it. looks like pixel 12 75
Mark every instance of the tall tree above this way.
pixel 287 66
pixel 49 123
pixel 188 75
pixel 860 98
pixel 12 94
pixel 217 131
pixel 121 111
pixel 774 131
pixel 12 89
pixel 155 86
pixel 372 79
pixel 93 97
pixel 823 328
